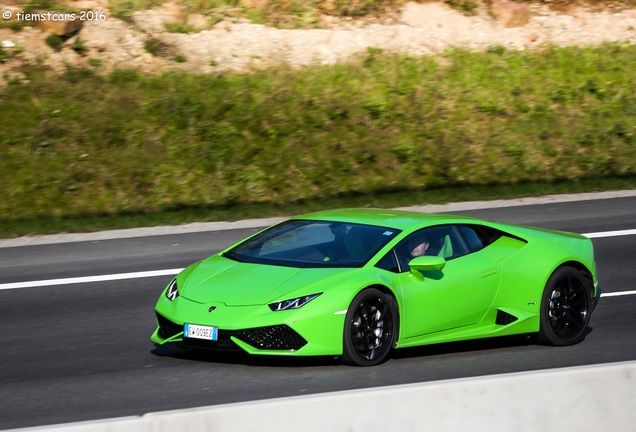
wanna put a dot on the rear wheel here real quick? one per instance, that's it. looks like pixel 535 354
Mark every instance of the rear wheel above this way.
pixel 370 328
pixel 566 306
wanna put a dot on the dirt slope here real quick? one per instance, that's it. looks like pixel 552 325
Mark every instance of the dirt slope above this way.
pixel 417 28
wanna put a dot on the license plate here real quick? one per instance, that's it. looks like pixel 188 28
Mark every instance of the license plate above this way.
pixel 200 332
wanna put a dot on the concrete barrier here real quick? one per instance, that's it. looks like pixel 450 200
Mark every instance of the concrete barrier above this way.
pixel 587 398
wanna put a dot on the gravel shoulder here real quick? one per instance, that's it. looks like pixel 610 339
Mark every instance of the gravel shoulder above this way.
pixel 198 227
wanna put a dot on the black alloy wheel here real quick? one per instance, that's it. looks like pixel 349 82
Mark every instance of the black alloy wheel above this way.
pixel 566 307
pixel 370 328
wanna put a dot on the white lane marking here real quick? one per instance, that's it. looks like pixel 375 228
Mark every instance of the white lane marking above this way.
pixel 85 279
pixel 619 293
pixel 144 274
pixel 611 233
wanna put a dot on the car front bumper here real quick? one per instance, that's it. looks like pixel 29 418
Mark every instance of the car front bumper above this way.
pixel 313 330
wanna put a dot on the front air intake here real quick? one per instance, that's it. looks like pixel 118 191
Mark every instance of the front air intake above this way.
pixel 280 337
pixel 504 318
pixel 167 328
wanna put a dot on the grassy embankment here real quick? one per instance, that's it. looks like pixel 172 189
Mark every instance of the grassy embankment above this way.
pixel 83 152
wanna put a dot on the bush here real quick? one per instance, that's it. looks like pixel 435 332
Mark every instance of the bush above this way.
pixel 54 41
pixel 79 47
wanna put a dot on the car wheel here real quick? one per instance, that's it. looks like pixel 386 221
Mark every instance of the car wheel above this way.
pixel 370 329
pixel 566 306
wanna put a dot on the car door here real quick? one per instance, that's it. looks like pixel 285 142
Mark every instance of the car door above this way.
pixel 456 296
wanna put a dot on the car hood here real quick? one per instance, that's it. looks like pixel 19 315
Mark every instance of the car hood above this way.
pixel 219 279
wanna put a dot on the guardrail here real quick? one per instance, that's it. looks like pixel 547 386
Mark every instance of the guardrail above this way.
pixel 586 398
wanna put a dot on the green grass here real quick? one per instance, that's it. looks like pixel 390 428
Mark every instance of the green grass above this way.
pixel 83 152
pixel 125 8
pixel 468 7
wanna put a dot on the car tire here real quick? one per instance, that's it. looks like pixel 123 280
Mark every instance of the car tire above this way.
pixel 566 306
pixel 371 327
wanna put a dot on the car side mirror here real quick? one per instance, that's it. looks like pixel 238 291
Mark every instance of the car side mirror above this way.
pixel 427 263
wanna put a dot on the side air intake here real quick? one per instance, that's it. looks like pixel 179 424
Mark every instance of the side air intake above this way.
pixel 504 318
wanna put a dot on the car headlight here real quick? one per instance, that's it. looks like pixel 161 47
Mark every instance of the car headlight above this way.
pixel 173 291
pixel 294 303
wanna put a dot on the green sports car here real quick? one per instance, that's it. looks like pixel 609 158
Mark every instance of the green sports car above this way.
pixel 359 282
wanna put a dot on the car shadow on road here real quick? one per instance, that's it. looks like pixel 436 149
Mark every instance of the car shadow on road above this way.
pixel 473 345
pixel 425 351
pixel 465 346
pixel 200 355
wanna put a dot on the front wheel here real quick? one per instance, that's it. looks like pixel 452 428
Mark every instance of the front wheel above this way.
pixel 370 329
pixel 566 306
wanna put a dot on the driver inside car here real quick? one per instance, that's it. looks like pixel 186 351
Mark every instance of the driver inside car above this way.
pixel 418 246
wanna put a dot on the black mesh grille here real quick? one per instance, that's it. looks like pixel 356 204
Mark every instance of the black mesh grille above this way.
pixel 280 337
pixel 167 328
pixel 504 318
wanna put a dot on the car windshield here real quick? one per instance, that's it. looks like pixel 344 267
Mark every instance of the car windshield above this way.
pixel 314 243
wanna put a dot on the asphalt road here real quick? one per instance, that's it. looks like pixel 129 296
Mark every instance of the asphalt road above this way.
pixel 82 351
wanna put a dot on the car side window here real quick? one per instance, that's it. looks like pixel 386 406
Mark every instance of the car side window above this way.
pixel 443 241
pixel 478 237
pixel 389 262
pixel 472 238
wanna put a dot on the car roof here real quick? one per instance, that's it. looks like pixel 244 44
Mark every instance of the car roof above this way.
pixel 398 219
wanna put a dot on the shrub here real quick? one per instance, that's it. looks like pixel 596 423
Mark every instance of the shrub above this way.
pixel 54 41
